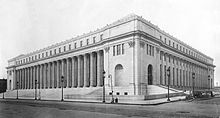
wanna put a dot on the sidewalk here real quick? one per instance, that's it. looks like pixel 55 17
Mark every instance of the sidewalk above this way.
pixel 125 102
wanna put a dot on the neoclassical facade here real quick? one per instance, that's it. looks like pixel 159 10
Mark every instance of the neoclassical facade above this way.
pixel 133 52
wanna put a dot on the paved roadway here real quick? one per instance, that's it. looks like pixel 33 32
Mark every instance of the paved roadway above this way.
pixel 54 109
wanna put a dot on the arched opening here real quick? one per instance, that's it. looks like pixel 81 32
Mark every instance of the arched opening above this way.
pixel 119 80
pixel 150 74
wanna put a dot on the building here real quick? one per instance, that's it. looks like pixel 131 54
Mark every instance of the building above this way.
pixel 134 53
pixel 3 85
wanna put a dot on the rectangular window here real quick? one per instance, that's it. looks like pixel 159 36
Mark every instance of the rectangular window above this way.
pixel 64 48
pixel 118 49
pixel 165 40
pixel 69 46
pixel 180 48
pixel 122 47
pixel 160 37
pixel 152 50
pixel 75 45
pixel 38 56
pixel 177 46
pixel 147 49
pixel 101 36
pixel 42 55
pixel 113 50
pixel 169 43
pixel 50 52
pixel 87 41
pixel 46 54
pixel 54 51
pixel 94 39
pixel 35 57
pixel 173 45
pixel 59 50
pixel 81 43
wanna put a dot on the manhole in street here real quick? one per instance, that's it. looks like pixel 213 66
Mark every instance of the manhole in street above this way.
pixel 182 112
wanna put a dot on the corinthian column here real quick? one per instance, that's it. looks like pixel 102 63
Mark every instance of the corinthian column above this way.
pixel 98 69
pixel 85 70
pixel 67 72
pixel 91 70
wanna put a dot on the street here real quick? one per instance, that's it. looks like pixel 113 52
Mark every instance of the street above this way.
pixel 12 108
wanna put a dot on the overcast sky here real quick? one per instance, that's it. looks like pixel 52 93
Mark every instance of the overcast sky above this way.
pixel 29 25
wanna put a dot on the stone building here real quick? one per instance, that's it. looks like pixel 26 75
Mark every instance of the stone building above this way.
pixel 134 53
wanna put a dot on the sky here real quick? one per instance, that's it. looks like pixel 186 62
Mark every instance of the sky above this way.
pixel 29 25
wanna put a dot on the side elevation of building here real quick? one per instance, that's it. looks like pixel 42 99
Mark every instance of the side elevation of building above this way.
pixel 134 53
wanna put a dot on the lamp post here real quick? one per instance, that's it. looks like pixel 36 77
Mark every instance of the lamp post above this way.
pixel 17 89
pixel 35 90
pixel 168 74
pixel 103 72
pixel 39 90
pixel 62 79
pixel 209 82
pixel 110 76
pixel 193 77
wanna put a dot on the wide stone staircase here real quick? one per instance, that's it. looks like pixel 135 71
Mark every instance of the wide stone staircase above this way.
pixel 160 91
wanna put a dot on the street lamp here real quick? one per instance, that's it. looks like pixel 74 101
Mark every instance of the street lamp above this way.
pixel 62 79
pixel 17 89
pixel 35 90
pixel 39 90
pixel 193 77
pixel 208 81
pixel 168 74
pixel 110 76
pixel 103 72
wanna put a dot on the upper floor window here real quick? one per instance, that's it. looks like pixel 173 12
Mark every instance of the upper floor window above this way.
pixel 173 44
pixel 118 49
pixel 101 36
pixel 42 55
pixel 46 54
pixel 113 50
pixel 122 49
pixel 94 39
pixel 35 57
pixel 38 56
pixel 50 52
pixel 160 37
pixel 177 46
pixel 54 51
pixel 165 40
pixel 59 50
pixel 69 46
pixel 169 43
pixel 64 48
pixel 81 43
pixel 75 45
pixel 87 41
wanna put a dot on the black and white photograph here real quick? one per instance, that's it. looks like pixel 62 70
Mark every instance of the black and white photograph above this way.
pixel 109 59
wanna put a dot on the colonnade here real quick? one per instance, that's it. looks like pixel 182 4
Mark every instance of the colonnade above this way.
pixel 181 73
pixel 79 71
